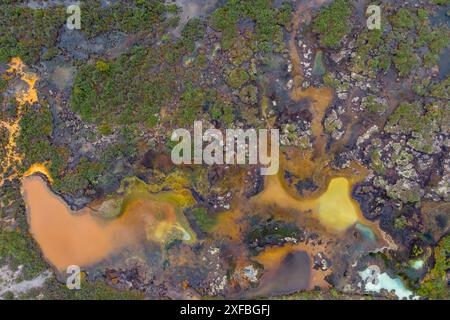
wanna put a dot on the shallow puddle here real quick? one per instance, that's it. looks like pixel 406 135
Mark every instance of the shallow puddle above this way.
pixel 292 275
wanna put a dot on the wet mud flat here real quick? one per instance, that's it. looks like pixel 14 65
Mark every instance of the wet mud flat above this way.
pixel 293 275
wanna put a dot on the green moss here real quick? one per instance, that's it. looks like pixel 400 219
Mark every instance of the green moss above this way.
pixel 373 53
pixel 422 14
pixel 86 173
pixel 376 162
pixel 237 77
pixel 194 29
pixel 333 23
pixel 50 53
pixel 201 61
pixel 192 101
pixel 271 232
pixel 24 32
pixel 17 248
pixel 267 21
pixel 400 223
pixel 109 92
pixel 284 14
pixel 404 19
pixel 143 16
pixel 410 193
pixel 241 51
pixel 405 59
pixel 105 129
pixel 412 42
pixel 441 90
pixel 373 106
pixel 90 290
pixel 34 140
pixel 413 117
pixel 406 118
pixel 441 2
pixel 102 66
pixel 204 220
pixel 219 110
pixel 435 284
pixel 329 79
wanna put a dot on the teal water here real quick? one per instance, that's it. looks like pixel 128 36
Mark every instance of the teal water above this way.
pixel 387 283
pixel 366 231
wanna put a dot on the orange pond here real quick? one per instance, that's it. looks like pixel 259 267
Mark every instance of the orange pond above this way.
pixel 69 239
pixel 82 238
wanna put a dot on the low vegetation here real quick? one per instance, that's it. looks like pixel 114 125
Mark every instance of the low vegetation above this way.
pixel 332 23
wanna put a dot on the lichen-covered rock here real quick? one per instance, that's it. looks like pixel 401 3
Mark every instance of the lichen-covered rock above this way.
pixel 249 94
pixel 237 77
pixel 333 125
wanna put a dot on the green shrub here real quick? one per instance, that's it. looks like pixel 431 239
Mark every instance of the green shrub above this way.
pixel 434 285
pixel 24 32
pixel 333 23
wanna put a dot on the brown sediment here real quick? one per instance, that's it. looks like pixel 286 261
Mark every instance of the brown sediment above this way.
pixel 272 259
pixel 320 98
pixel 228 225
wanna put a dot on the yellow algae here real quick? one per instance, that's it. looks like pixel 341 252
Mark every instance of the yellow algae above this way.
pixel 162 223
pixel 166 231
pixel 67 237
pixel 336 208
pixel 174 181
pixel 24 96
pixel 29 96
pixel 39 168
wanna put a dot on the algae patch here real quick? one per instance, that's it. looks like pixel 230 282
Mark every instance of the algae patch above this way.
pixel 336 208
